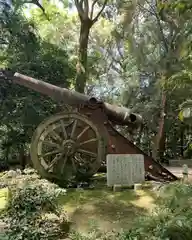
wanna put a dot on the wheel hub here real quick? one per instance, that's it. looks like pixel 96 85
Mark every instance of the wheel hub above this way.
pixel 69 147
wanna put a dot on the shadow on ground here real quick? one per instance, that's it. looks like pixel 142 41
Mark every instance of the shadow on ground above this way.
pixel 106 209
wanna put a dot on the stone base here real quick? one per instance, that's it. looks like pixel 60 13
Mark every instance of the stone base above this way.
pixel 137 186
pixel 117 187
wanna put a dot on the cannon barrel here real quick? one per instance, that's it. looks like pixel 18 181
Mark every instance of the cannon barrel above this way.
pixel 54 92
pixel 119 115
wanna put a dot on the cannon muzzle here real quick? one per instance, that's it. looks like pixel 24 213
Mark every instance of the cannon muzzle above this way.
pixel 123 116
pixel 116 114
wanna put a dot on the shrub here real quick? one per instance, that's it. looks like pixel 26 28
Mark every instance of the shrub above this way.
pixel 172 220
pixel 33 212
pixel 94 234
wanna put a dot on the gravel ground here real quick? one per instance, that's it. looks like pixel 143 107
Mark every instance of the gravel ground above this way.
pixel 177 171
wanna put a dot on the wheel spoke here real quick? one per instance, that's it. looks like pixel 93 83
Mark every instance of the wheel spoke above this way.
pixel 55 136
pixel 80 160
pixel 88 141
pixel 63 129
pixel 54 161
pixel 63 165
pixel 51 144
pixel 84 130
pixel 73 129
pixel 51 153
pixel 87 152
pixel 83 165
pixel 73 164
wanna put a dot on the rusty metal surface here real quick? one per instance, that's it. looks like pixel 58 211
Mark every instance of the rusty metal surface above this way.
pixel 50 90
pixel 118 144
pixel 116 114
pixel 120 114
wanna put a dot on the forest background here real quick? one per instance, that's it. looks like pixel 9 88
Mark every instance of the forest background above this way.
pixel 132 53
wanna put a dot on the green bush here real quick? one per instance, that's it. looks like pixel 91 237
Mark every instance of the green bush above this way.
pixel 94 234
pixel 33 212
pixel 172 220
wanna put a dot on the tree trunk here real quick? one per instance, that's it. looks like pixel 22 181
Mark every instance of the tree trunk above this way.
pixel 158 138
pixel 162 144
pixel 182 139
pixel 82 64
pixel 154 147
pixel 86 11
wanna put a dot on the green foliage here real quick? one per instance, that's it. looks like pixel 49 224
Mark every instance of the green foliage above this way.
pixel 94 234
pixel 22 109
pixel 156 48
pixel 33 212
pixel 185 112
pixel 172 220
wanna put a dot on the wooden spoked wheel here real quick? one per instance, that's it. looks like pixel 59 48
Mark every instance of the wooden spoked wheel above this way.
pixel 67 146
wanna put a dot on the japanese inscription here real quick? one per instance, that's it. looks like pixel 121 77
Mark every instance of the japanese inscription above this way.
pixel 125 169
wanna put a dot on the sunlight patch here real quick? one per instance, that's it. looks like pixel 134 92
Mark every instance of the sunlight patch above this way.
pixel 3 198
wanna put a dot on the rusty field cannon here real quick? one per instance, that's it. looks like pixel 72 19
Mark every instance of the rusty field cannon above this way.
pixel 74 144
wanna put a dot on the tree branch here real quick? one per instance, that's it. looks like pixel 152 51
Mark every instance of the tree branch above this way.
pixel 99 13
pixel 154 13
pixel 92 9
pixel 119 51
pixel 36 2
pixel 86 10
pixel 3 42
pixel 117 61
pixel 79 7
pixel 162 34
pixel 38 5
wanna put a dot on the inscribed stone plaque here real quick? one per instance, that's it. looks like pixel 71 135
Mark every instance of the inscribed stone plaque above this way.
pixel 125 169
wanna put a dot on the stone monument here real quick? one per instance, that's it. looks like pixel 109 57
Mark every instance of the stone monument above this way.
pixel 125 169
